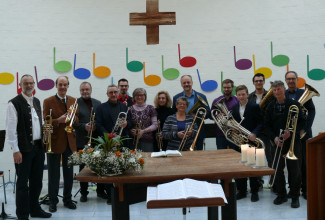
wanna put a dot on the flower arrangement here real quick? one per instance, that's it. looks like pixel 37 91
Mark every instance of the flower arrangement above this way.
pixel 108 157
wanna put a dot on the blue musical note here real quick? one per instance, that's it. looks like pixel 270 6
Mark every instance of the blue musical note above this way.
pixel 80 73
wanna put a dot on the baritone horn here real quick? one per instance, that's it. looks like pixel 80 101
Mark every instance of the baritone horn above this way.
pixel 121 118
pixel 47 132
pixel 71 116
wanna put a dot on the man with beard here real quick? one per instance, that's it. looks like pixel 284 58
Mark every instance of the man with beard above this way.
pixel 294 93
pixel 230 101
pixel 63 144
pixel 123 97
pixel 24 136
pixel 86 105
pixel 192 97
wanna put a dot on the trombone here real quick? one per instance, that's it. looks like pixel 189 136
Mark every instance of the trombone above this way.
pixel 47 131
pixel 71 117
pixel 92 124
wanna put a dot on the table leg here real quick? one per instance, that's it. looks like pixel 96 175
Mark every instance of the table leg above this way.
pixel 120 210
pixel 229 211
pixel 213 213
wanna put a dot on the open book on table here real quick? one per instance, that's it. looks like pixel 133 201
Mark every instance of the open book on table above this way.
pixel 167 153
pixel 185 193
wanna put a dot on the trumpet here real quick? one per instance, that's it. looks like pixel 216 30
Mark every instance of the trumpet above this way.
pixel 92 124
pixel 47 131
pixel 121 118
pixel 71 116
pixel 159 141
pixel 137 132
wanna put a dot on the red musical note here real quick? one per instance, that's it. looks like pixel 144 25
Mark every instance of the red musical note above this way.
pixel 186 61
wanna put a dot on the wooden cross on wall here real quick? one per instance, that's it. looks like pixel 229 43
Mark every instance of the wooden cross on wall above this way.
pixel 152 19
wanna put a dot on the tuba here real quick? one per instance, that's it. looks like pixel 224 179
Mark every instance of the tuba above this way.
pixel 232 130
pixel 71 116
pixel 197 104
pixel 47 131
pixel 121 118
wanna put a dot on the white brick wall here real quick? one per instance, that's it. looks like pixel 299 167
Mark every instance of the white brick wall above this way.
pixel 207 30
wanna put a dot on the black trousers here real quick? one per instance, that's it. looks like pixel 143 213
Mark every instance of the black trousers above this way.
pixel 101 188
pixel 241 183
pixel 29 181
pixel 293 167
pixel 53 162
pixel 303 166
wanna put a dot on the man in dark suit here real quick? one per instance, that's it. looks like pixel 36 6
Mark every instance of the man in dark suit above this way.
pixel 249 114
pixel 294 93
pixel 87 105
pixel 24 136
pixel 192 97
pixel 63 144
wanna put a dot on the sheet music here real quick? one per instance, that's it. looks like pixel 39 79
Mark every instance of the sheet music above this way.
pixel 151 193
pixel 197 189
pixel 172 190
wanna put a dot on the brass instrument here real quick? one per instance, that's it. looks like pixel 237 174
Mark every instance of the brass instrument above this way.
pixel 92 124
pixel 47 131
pixel 137 132
pixel 232 130
pixel 159 141
pixel 197 104
pixel 266 98
pixel 121 118
pixel 71 116
pixel 292 126
pixel 184 139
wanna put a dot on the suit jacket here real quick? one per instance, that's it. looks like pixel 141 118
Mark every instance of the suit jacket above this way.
pixel 253 120
pixel 104 120
pixel 309 105
pixel 84 118
pixel 60 138
pixel 202 132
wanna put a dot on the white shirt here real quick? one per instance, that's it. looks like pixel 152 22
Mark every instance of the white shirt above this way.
pixel 242 110
pixel 12 121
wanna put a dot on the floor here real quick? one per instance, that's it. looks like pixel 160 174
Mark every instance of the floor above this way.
pixel 96 208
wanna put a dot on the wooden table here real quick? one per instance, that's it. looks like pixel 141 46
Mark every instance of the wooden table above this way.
pixel 208 165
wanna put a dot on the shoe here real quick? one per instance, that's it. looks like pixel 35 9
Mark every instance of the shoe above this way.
pixel 70 205
pixel 280 199
pixel 254 197
pixel 40 214
pixel 52 208
pixel 240 195
pixel 102 195
pixel 295 203
pixel 83 198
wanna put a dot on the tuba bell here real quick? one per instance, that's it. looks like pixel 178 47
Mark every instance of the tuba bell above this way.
pixel 233 131
pixel 197 104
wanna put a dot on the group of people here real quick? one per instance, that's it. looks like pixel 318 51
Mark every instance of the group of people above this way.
pixel 142 122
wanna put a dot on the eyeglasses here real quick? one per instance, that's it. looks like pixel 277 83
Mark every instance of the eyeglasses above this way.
pixel 291 79
pixel 182 104
pixel 259 81
pixel 30 83
pixel 227 88
pixel 141 95
pixel 114 92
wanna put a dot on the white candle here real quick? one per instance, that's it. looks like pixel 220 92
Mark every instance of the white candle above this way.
pixel 244 148
pixel 260 157
pixel 251 155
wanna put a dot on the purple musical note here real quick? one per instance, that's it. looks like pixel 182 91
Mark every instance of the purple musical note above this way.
pixel 242 64
pixel 44 84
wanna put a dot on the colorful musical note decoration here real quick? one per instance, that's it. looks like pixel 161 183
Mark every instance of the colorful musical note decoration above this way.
pixel 80 73
pixel 315 74
pixel 151 80
pixel 185 61
pixel 242 64
pixel 267 72
pixel 301 82
pixel 44 84
pixel 170 73
pixel 133 66
pixel 207 86
pixel 100 71
pixel 279 60
pixel 61 66
pixel 6 78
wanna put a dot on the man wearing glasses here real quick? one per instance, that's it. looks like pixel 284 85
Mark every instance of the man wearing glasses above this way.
pixel 291 78
pixel 230 101
pixel 123 97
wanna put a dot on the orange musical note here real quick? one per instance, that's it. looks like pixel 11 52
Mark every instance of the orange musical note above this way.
pixel 151 80
pixel 100 71
pixel 186 61
pixel 267 72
